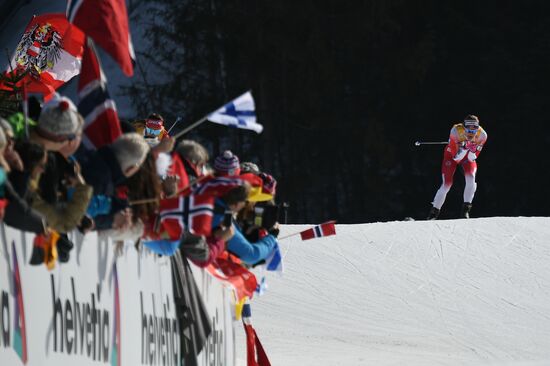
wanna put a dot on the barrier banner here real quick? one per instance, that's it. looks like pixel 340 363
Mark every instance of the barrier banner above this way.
pixel 94 309
pixel 220 302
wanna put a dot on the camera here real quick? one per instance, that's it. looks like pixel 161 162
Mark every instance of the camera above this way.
pixel 267 215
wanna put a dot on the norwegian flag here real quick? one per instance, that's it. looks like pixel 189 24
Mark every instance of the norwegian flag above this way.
pixel 106 22
pixel 193 209
pixel 318 231
pixel 50 52
pixel 101 123
pixel 192 213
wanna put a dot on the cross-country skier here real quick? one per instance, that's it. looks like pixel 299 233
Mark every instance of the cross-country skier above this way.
pixel 465 143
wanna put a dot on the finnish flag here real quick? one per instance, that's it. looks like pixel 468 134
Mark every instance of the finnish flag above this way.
pixel 240 113
pixel 274 262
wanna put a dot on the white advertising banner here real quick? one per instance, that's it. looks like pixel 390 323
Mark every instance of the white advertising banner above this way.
pixel 100 308
pixel 220 304
pixel 95 309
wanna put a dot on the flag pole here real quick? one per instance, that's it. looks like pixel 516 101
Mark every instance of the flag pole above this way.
pixel 26 110
pixel 288 236
pixel 202 120
pixel 189 128
pixel 143 201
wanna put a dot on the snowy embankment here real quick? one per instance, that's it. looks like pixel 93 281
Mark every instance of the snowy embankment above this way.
pixel 456 292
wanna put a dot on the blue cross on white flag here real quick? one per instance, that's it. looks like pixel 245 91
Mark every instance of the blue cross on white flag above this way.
pixel 240 113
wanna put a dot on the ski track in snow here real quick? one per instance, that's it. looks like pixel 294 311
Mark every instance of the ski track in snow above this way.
pixel 450 292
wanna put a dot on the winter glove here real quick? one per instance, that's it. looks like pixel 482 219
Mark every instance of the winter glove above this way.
pixel 471 156
pixel 64 247
pixel 460 155
pixel 274 231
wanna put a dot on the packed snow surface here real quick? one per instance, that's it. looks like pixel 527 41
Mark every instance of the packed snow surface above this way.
pixel 453 292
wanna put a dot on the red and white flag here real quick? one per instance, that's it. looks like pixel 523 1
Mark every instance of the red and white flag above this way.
pixel 319 231
pixel 255 352
pixel 101 123
pixel 106 22
pixel 50 51
pixel 239 278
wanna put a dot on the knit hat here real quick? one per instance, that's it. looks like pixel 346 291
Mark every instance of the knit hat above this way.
pixel 227 164
pixel 59 120
pixel 249 167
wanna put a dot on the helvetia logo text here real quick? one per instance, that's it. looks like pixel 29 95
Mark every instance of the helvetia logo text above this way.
pixel 87 328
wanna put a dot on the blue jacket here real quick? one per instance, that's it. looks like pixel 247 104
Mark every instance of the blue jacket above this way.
pixel 249 253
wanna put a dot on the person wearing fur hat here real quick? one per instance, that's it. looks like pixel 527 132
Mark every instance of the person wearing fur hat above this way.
pixel 465 143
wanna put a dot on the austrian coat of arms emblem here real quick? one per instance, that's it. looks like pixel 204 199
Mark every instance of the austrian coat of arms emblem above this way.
pixel 39 49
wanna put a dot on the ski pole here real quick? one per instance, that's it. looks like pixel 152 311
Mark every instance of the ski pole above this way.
pixel 173 124
pixel 418 143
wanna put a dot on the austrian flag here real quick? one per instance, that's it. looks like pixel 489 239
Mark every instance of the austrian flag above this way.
pixel 318 231
pixel 50 51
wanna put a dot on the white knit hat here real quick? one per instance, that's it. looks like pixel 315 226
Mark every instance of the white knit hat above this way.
pixel 59 120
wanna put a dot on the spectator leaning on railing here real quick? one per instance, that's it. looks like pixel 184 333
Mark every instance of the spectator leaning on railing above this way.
pixel 105 169
pixel 17 212
pixel 62 195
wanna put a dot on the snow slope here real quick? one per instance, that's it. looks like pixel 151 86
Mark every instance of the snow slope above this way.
pixel 456 292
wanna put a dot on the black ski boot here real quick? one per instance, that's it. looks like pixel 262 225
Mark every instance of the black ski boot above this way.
pixel 465 212
pixel 434 214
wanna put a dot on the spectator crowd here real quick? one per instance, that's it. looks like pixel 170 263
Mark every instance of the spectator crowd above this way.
pixel 162 194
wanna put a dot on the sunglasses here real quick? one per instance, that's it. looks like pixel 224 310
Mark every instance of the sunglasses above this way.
pixel 471 129
pixel 151 132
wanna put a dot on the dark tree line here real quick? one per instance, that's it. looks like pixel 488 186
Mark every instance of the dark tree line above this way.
pixel 343 90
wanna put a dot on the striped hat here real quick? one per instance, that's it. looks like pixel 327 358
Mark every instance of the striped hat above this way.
pixel 227 164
